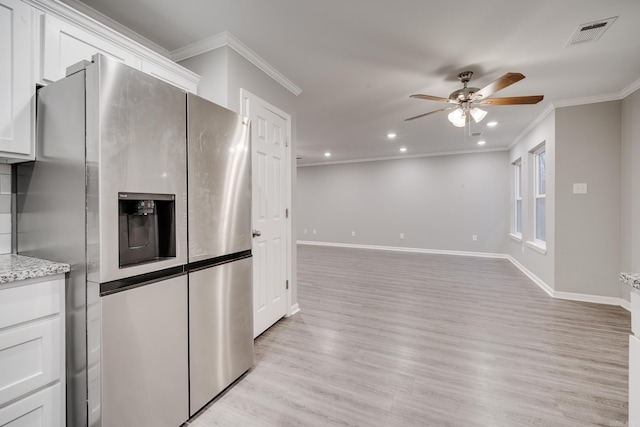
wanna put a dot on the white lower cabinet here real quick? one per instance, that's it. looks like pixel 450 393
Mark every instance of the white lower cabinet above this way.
pixel 29 358
pixel 32 372
pixel 634 381
pixel 634 361
pixel 40 409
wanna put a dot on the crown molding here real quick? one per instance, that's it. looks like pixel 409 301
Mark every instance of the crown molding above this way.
pixel 90 20
pixel 630 89
pixel 588 100
pixel 202 46
pixel 574 102
pixel 227 39
pixel 404 157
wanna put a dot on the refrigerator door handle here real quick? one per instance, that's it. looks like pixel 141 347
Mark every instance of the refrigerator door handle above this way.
pixel 256 233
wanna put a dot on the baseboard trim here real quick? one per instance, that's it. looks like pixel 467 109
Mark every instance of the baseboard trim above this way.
pixel 294 309
pixel 588 298
pixel 402 249
pixel 625 304
pixel 538 281
pixel 570 296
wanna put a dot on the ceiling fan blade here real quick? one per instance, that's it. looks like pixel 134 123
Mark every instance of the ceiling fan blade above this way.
pixel 504 81
pixel 432 98
pixel 426 114
pixel 515 100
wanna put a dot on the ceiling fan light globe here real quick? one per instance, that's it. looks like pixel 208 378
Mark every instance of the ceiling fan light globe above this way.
pixel 478 114
pixel 457 117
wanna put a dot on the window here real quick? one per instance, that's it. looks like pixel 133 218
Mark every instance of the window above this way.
pixel 517 198
pixel 539 191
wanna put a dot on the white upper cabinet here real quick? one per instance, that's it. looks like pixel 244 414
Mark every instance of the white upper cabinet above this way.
pixel 17 83
pixel 66 42
pixel 39 39
pixel 64 45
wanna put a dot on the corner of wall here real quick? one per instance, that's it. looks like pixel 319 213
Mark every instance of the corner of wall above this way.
pixel 213 67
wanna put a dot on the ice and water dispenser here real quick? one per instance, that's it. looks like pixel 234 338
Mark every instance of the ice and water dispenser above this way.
pixel 147 228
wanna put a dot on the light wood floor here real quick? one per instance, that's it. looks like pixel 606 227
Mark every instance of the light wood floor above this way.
pixel 400 339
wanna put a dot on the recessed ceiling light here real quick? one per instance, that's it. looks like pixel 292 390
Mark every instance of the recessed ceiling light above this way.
pixel 482 142
pixel 391 135
pixel 403 149
pixel 327 154
pixel 492 124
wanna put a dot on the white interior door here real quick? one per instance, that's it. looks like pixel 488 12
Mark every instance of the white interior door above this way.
pixel 270 129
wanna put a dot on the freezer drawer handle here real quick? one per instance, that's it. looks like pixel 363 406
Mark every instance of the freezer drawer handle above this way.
pixel 257 233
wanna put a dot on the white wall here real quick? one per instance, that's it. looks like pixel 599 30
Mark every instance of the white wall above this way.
pixel 588 232
pixel 213 69
pixel 630 186
pixel 437 202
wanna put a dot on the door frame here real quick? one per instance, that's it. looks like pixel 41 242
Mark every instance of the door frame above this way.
pixel 246 98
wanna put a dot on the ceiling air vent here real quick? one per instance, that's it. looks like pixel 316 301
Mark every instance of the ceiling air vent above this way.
pixel 591 31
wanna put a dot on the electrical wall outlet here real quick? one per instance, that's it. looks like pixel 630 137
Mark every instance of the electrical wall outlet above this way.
pixel 353 234
pixel 474 237
pixel 314 231
pixel 580 188
pixel 305 231
pixel 402 235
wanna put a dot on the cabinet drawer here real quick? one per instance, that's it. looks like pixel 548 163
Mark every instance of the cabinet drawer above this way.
pixel 41 409
pixel 29 302
pixel 29 358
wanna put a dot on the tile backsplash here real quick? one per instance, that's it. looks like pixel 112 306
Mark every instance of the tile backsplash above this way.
pixel 5 209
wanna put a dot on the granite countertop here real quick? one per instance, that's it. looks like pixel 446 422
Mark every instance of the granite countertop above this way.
pixel 631 279
pixel 17 267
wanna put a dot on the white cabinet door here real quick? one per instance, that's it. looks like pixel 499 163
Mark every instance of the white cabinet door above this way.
pixel 17 84
pixel 65 45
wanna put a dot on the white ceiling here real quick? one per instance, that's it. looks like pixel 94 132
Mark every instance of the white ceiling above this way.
pixel 357 61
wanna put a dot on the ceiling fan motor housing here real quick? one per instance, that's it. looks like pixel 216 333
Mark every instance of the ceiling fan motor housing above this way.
pixel 463 95
pixel 466 93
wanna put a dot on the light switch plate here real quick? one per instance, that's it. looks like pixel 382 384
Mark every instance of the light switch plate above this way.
pixel 580 188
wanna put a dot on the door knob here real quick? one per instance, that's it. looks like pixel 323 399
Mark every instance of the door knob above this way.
pixel 256 233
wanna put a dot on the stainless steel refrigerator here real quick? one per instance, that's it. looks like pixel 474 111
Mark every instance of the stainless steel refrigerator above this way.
pixel 108 195
pixel 220 292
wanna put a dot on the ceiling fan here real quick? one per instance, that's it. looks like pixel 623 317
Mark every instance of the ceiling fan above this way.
pixel 468 99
